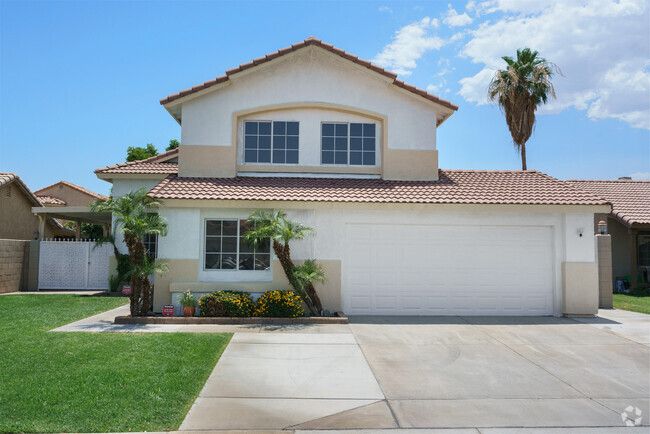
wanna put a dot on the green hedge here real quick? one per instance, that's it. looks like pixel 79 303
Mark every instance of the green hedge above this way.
pixel 279 304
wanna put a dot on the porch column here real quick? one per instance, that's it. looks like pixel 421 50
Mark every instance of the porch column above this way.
pixel 633 258
pixel 77 230
pixel 105 230
pixel 41 226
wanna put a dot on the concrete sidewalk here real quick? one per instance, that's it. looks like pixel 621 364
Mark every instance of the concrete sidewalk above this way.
pixel 104 322
pixel 280 381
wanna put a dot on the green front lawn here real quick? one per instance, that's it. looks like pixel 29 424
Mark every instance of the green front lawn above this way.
pixel 84 382
pixel 632 302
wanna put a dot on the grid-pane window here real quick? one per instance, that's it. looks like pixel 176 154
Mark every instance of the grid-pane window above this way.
pixel 362 144
pixel 266 142
pixel 348 144
pixel 643 242
pixel 285 142
pixel 257 142
pixel 150 242
pixel 225 248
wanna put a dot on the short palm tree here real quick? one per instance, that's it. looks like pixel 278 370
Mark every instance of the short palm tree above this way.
pixel 275 226
pixel 519 89
pixel 133 217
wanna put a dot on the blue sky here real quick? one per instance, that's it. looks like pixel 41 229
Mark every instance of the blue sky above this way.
pixel 80 81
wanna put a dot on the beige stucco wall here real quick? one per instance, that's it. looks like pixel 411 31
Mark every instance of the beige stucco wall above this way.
pixel 410 165
pixel 604 257
pixel 183 275
pixel 16 219
pixel 580 288
pixel 207 161
pixel 71 196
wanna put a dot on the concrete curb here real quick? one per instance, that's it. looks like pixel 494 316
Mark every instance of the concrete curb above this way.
pixel 340 318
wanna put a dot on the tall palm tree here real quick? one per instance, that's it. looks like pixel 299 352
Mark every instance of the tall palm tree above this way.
pixel 519 89
pixel 275 226
pixel 133 217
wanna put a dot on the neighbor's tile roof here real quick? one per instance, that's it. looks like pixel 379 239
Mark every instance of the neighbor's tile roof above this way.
pixel 74 186
pixel 454 186
pixel 50 200
pixel 630 199
pixel 310 41
pixel 9 177
pixel 149 165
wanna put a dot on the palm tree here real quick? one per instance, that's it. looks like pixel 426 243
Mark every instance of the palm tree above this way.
pixel 519 89
pixel 133 217
pixel 274 226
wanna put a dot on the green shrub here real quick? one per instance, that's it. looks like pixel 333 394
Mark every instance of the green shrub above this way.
pixel 209 305
pixel 227 303
pixel 114 283
pixel 280 304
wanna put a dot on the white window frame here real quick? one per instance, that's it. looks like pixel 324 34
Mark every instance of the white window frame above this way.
pixel 320 131
pixel 231 271
pixel 270 163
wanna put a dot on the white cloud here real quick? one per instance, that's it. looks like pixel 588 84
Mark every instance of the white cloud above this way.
pixel 454 19
pixel 641 176
pixel 601 46
pixel 385 9
pixel 408 45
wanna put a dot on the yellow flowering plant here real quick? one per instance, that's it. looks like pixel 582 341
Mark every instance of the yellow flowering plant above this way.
pixel 279 304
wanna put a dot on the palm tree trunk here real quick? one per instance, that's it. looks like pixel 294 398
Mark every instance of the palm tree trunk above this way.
pixel 139 289
pixel 283 252
pixel 523 156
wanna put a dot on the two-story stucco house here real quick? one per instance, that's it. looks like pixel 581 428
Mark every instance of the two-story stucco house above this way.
pixel 346 148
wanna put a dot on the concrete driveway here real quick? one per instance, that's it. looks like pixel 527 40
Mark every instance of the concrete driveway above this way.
pixel 505 372
pixel 437 372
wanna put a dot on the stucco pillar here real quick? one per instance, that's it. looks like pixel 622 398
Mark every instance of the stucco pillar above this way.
pixel 77 230
pixel 32 272
pixel 41 227
pixel 604 257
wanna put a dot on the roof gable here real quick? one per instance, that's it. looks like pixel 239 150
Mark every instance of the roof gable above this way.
pixel 43 191
pixel 158 164
pixel 311 41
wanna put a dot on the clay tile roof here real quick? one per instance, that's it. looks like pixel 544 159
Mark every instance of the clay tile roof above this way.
pixel 454 186
pixel 307 42
pixel 50 200
pixel 630 199
pixel 7 178
pixel 146 166
pixel 71 185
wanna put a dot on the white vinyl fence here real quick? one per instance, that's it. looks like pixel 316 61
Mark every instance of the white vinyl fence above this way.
pixel 73 265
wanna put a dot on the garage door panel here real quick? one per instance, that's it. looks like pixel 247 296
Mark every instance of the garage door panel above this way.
pixel 443 270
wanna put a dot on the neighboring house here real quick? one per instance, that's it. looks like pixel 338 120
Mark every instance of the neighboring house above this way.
pixel 628 224
pixel 16 219
pixel 64 193
pixel 345 147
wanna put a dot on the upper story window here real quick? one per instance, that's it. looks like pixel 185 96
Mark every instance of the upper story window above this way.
pixel 348 144
pixel 225 248
pixel 271 142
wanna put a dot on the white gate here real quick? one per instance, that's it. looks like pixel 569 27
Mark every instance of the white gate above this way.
pixel 73 265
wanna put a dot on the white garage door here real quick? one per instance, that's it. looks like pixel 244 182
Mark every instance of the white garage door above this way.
pixel 447 270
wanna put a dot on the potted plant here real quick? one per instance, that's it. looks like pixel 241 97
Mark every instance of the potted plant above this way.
pixel 188 301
